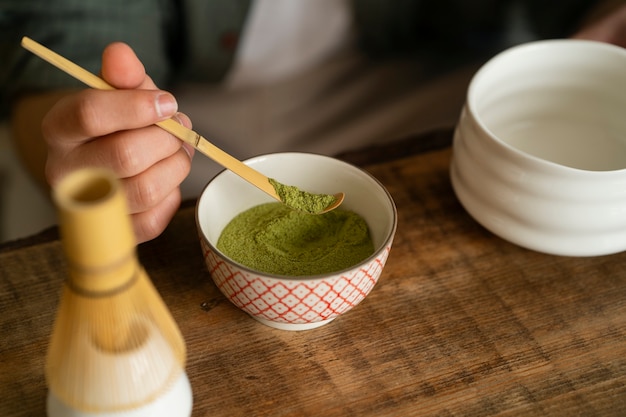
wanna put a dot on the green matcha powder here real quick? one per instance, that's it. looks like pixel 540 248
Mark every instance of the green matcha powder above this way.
pixel 276 239
pixel 302 200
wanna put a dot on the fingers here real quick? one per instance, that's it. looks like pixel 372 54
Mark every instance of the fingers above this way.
pixel 127 153
pixel 147 189
pixel 153 195
pixel 80 117
pixel 151 164
pixel 151 223
pixel 116 129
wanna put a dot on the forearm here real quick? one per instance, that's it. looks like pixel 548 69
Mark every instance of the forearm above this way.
pixel 600 10
pixel 606 23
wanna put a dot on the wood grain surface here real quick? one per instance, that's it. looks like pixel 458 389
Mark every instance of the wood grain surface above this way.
pixel 461 323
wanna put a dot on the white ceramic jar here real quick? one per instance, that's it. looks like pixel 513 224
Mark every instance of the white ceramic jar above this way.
pixel 539 153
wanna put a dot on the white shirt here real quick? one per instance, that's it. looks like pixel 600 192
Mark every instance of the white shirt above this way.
pixel 284 37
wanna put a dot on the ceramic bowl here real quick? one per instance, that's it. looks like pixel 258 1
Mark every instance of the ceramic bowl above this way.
pixel 539 152
pixel 305 302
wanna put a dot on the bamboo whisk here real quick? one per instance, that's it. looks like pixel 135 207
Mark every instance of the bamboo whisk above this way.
pixel 114 344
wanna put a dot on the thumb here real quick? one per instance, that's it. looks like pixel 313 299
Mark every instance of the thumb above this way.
pixel 122 68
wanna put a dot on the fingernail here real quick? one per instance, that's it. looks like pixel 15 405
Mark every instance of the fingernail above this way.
pixel 182 119
pixel 189 149
pixel 165 105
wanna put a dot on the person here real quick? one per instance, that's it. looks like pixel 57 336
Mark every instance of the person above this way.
pixel 264 76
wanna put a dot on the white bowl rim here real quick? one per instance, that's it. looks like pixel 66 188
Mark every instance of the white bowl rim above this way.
pixel 510 148
pixel 387 241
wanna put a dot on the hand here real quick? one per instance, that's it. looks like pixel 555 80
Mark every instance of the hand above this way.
pixel 115 129
pixel 610 28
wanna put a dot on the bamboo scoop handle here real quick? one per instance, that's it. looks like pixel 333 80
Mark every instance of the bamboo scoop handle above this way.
pixel 253 176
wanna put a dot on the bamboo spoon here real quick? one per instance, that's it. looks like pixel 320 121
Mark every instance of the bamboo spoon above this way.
pixel 186 135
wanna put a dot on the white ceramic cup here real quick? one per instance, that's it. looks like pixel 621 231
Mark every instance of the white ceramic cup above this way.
pixel 539 153
pixel 298 302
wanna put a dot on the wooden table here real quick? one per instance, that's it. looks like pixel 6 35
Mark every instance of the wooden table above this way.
pixel 461 323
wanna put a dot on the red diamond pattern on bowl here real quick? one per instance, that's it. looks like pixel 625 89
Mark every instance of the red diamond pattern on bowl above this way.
pixel 294 300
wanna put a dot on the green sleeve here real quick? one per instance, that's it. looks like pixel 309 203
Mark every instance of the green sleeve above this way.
pixel 79 30
pixel 191 39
